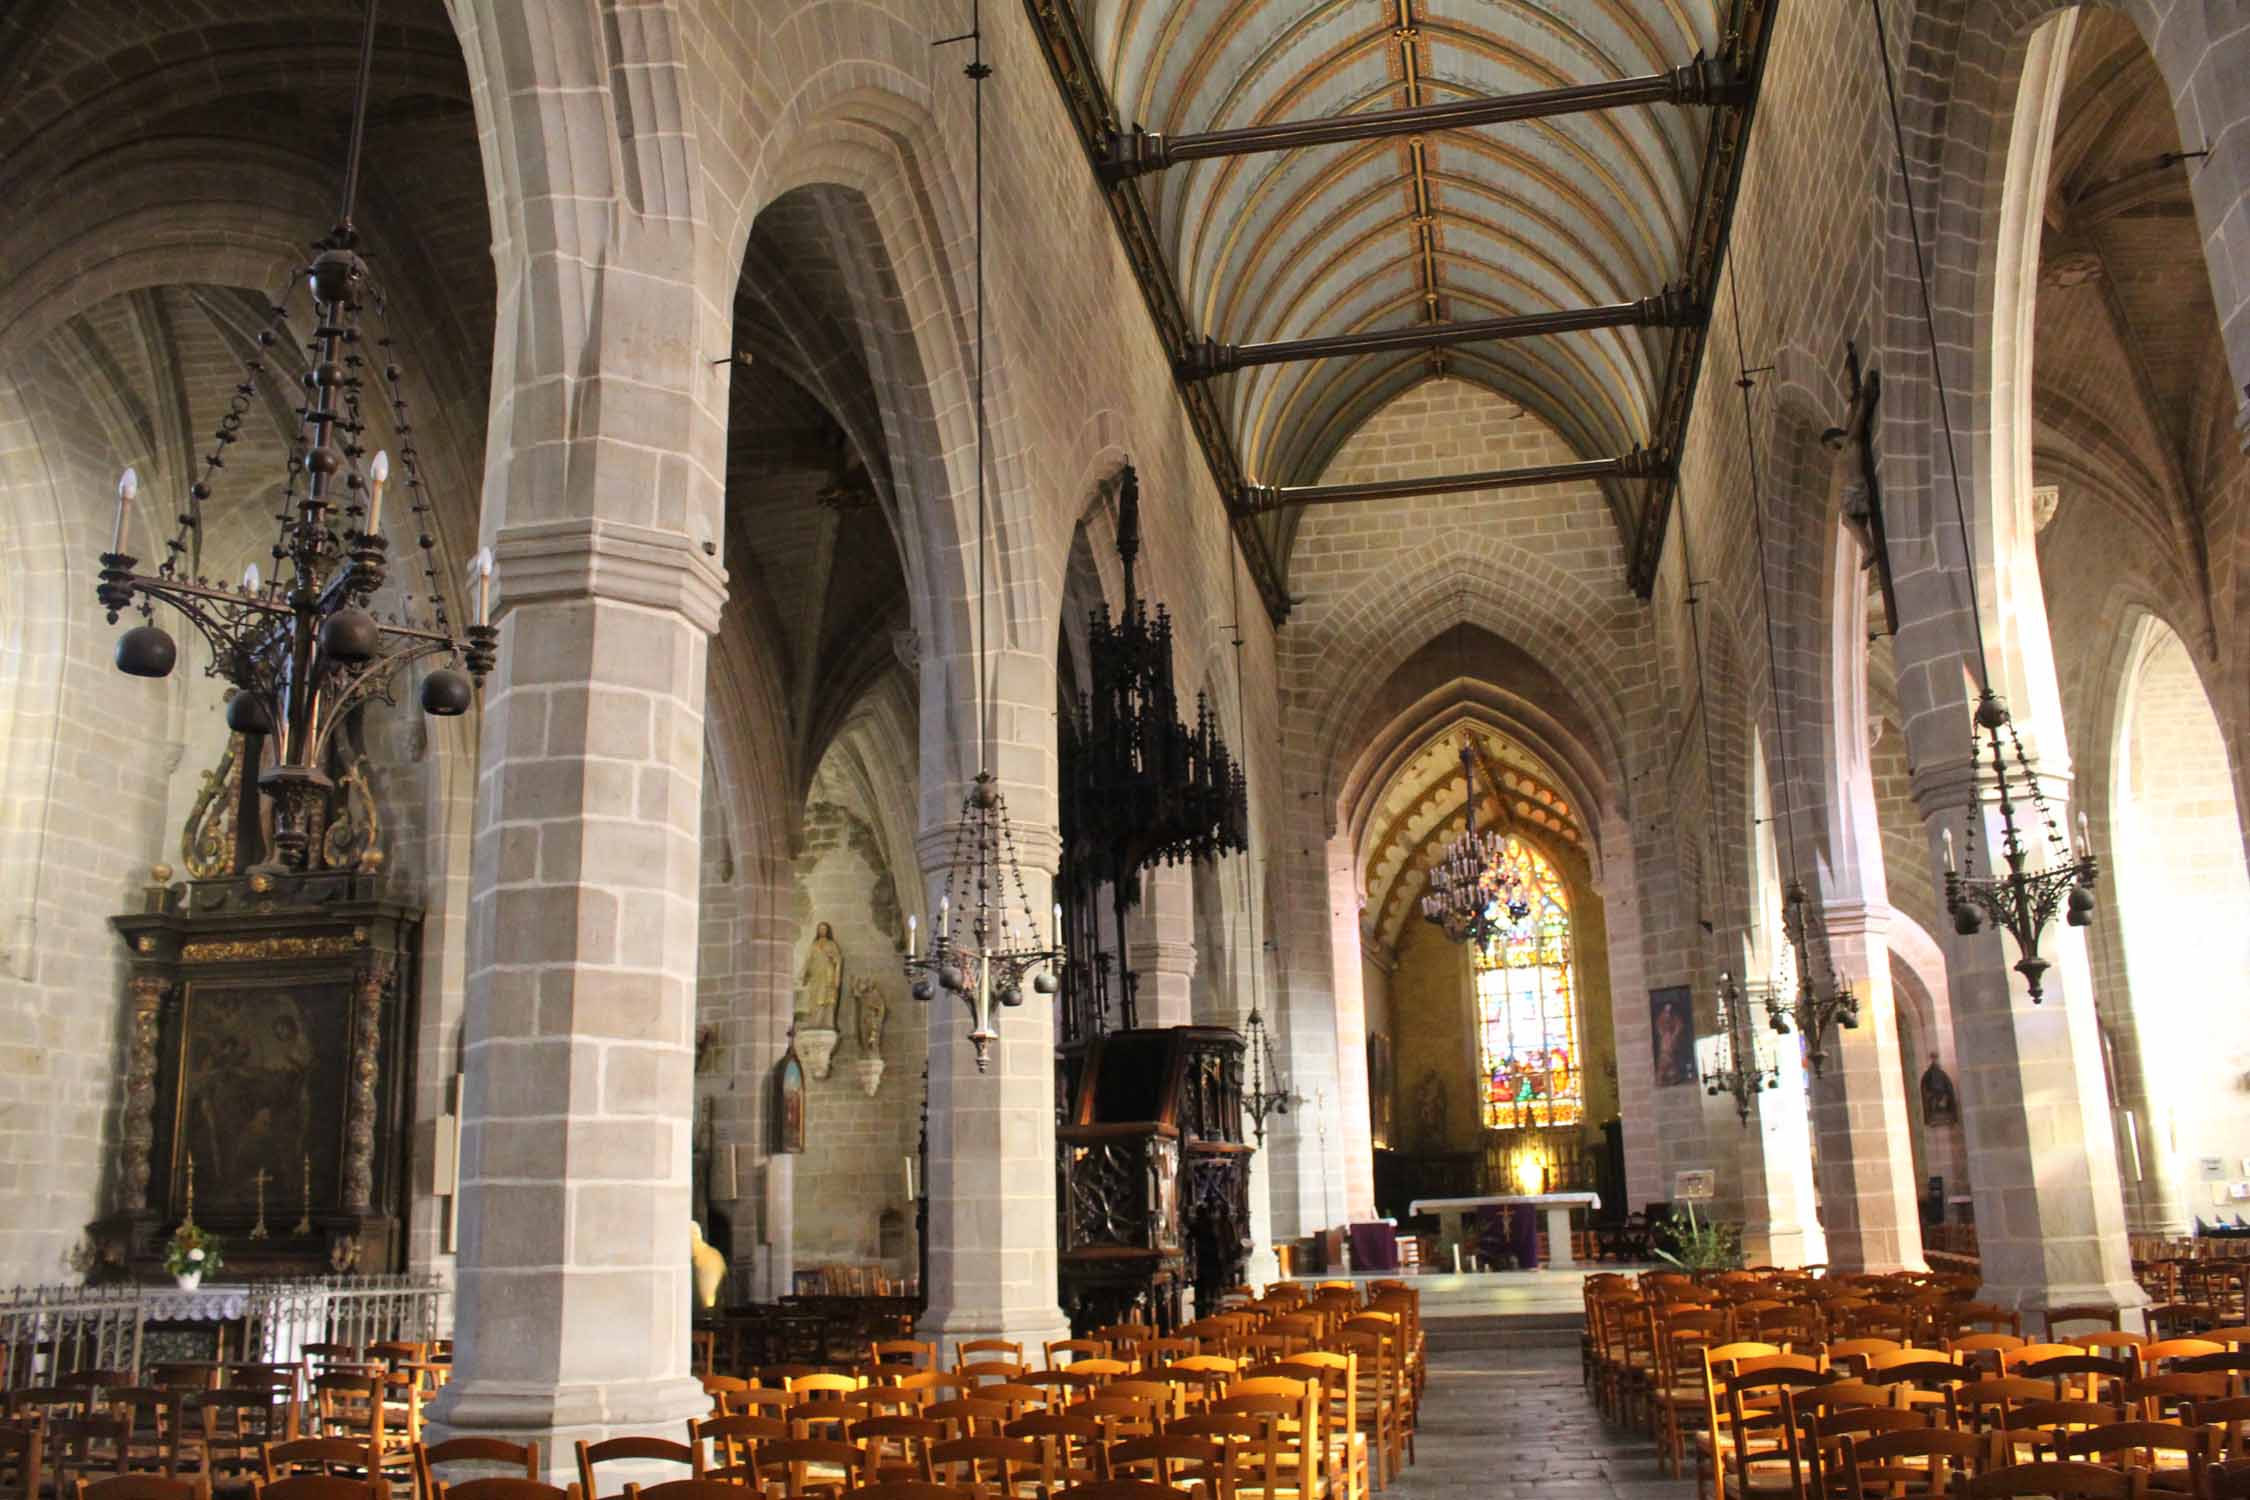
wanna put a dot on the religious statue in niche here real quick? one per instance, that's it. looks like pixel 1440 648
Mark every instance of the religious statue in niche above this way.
pixel 1430 1110
pixel 1940 1104
pixel 822 979
pixel 872 1010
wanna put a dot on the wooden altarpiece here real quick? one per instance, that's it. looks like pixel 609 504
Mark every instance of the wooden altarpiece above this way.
pixel 270 1017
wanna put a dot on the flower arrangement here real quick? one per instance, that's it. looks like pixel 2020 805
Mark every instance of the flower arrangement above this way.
pixel 192 1251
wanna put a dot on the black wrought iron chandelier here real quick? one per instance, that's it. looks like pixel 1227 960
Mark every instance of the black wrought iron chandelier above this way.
pixel 1143 787
pixel 1814 999
pixel 1267 1096
pixel 988 964
pixel 1736 1068
pixel 1476 880
pixel 304 650
pixel 1812 1004
pixel 2023 901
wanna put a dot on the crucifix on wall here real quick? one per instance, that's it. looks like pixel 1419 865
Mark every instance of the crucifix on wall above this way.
pixel 1854 483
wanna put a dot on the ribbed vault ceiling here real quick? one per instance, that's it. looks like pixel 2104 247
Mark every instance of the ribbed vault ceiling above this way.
pixel 1567 212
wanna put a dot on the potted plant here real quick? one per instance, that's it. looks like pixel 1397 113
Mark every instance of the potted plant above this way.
pixel 1700 1247
pixel 192 1251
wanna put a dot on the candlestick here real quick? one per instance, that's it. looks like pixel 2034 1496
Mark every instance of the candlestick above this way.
pixel 304 1223
pixel 258 1231
pixel 187 1215
pixel 378 474
pixel 128 485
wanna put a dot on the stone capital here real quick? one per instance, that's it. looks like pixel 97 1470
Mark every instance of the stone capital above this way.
pixel 1158 956
pixel 590 558
pixel 1853 918
pixel 1038 847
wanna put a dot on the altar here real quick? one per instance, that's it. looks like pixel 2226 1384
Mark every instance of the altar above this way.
pixel 1453 1211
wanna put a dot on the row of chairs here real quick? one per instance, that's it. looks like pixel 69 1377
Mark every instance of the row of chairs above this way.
pixel 1775 1407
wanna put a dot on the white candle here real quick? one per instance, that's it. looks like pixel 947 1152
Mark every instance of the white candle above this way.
pixel 911 922
pixel 1054 928
pixel 484 587
pixel 128 485
pixel 944 916
pixel 378 474
pixel 1456 1257
pixel 1948 851
pixel 2085 838
pixel 910 1179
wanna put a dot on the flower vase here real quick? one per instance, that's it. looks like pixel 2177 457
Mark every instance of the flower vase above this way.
pixel 188 1280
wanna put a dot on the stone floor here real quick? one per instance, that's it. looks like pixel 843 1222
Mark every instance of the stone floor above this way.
pixel 1513 1422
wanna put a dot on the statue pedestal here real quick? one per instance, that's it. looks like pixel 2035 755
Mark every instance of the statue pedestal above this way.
pixel 869 1072
pixel 817 1046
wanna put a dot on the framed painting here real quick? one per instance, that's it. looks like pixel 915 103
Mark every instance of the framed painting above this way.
pixel 1671 1031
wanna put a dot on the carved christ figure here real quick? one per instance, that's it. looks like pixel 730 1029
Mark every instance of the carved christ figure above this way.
pixel 822 979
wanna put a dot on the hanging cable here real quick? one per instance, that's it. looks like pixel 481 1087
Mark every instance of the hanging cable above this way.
pixel 359 118
pixel 1929 328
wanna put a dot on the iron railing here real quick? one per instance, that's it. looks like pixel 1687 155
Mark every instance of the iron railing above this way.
pixel 47 1332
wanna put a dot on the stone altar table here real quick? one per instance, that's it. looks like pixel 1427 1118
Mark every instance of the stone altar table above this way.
pixel 1452 1211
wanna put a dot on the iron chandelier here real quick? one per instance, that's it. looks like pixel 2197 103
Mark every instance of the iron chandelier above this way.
pixel 303 650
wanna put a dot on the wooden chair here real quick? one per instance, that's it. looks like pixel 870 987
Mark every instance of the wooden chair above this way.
pixel 636 1450
pixel 2059 1481
pixel 798 1468
pixel 1817 1437
pixel 1909 1462
pixel 973 1349
pixel 1187 1464
pixel 1072 1449
pixel 237 1428
pixel 1121 1489
pixel 2056 1317
pixel 897 1447
pixel 968 1417
pixel 2139 1446
pixel 485 1452
pixel 683 1489
pixel 320 1487
pixel 504 1487
pixel 910 1354
pixel 904 1489
pixel 2229 1481
pixel 2089 1377
pixel 1063 1352
pixel 334 1457
pixel 87 1447
pixel 143 1487
pixel 989 1468
pixel 22 1456
pixel 729 1441
pixel 1761 1451
pixel 152 1419
pixel 44 1403
pixel 2035 1426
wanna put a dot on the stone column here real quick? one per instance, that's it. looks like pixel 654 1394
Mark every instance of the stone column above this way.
pixel 1867 1189
pixel 993 1266
pixel 1354 1130
pixel 574 1275
pixel 1160 946
pixel 2050 1212
pixel 1781 1226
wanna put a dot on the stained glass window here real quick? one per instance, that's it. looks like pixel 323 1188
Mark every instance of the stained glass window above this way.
pixel 1527 1007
